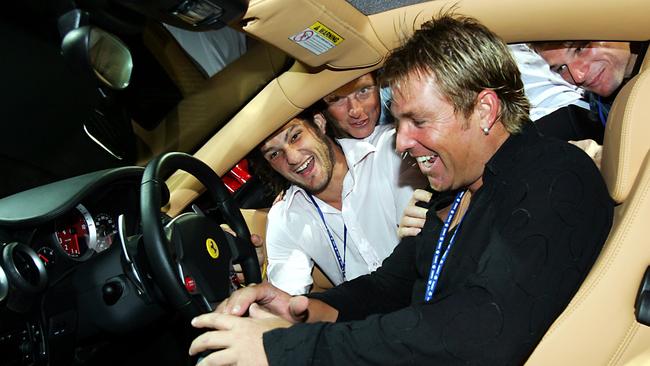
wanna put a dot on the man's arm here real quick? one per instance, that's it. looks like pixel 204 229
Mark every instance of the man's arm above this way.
pixel 384 290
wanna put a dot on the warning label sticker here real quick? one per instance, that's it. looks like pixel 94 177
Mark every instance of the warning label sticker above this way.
pixel 318 38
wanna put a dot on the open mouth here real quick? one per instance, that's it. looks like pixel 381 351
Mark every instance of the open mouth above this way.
pixel 359 123
pixel 303 167
pixel 427 160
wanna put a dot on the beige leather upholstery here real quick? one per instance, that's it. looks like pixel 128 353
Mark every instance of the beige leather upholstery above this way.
pixel 207 103
pixel 176 63
pixel 256 221
pixel 627 137
pixel 277 23
pixel 599 327
pixel 321 282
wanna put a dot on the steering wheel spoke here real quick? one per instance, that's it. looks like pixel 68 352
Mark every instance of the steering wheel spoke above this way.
pixel 190 258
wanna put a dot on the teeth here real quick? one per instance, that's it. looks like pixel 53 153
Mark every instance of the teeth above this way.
pixel 424 159
pixel 427 161
pixel 304 165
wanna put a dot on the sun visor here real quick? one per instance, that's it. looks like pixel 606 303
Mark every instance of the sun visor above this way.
pixel 311 32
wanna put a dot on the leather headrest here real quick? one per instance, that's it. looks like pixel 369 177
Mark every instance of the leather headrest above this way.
pixel 627 137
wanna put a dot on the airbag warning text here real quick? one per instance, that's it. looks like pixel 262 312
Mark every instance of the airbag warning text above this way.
pixel 318 38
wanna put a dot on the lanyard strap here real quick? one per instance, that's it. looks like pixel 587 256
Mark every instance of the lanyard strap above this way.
pixel 602 111
pixel 438 262
pixel 339 259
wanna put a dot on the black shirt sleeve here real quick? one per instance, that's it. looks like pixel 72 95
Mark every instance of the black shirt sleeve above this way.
pixel 385 290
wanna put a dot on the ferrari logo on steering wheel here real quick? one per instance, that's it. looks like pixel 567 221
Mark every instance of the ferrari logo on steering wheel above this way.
pixel 212 247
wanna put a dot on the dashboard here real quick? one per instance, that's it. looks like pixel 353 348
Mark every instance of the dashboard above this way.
pixel 76 276
pixel 86 230
pixel 57 243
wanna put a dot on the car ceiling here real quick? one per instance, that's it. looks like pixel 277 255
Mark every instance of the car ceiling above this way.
pixel 369 7
pixel 367 41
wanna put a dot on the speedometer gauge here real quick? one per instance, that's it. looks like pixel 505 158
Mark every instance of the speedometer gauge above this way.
pixel 106 231
pixel 76 233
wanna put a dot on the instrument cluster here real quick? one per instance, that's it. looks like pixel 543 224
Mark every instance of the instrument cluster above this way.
pixel 80 234
pixel 87 230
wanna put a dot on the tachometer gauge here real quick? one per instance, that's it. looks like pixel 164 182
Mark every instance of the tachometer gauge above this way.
pixel 106 231
pixel 76 233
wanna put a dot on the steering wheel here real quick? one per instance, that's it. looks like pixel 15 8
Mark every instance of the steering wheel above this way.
pixel 190 257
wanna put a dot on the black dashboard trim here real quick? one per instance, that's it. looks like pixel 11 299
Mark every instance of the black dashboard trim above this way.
pixel 41 204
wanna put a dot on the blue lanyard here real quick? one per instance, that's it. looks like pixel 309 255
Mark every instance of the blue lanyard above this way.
pixel 345 237
pixel 438 262
pixel 601 111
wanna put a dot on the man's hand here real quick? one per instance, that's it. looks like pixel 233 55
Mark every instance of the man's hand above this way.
pixel 237 341
pixel 414 216
pixel 270 298
pixel 258 243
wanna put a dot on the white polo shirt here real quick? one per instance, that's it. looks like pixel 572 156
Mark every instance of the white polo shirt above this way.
pixel 376 189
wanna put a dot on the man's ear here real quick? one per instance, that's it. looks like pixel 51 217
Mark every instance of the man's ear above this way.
pixel 488 106
pixel 320 121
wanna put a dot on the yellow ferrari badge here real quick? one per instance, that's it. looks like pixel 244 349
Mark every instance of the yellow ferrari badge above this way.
pixel 212 247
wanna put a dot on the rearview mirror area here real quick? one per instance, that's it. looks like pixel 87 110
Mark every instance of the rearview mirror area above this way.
pixel 105 55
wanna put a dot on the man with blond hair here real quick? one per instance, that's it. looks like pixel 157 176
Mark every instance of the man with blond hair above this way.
pixel 356 108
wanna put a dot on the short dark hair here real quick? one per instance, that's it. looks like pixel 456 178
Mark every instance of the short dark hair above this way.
pixel 274 182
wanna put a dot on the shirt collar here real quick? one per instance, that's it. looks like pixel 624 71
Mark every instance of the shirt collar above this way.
pixel 501 161
pixel 356 150
pixel 291 193
pixel 511 150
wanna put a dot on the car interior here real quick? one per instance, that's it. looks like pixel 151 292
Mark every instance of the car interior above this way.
pixel 91 302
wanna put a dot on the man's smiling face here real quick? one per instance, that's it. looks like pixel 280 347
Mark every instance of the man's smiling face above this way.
pixel 599 67
pixel 443 142
pixel 302 154
pixel 355 107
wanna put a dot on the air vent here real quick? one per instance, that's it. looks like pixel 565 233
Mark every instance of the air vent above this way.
pixel 24 270
pixel 4 285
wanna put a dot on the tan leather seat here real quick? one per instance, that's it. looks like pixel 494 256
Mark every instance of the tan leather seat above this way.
pixel 599 326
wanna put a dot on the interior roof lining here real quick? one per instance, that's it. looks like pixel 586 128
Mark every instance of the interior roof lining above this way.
pixel 369 7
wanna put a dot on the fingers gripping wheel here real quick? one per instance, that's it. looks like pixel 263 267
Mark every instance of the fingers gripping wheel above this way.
pixel 190 257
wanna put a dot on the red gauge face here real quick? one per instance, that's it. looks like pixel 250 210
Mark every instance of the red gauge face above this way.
pixel 73 233
pixel 46 254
